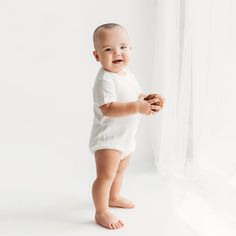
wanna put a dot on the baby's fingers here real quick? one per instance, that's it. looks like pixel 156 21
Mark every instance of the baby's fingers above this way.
pixel 156 108
pixel 151 101
pixel 151 112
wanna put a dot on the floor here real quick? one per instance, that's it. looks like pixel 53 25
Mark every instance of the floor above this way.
pixel 70 212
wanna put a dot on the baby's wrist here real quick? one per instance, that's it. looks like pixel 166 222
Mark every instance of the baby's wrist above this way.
pixel 137 106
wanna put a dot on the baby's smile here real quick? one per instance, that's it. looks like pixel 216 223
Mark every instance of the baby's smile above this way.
pixel 117 61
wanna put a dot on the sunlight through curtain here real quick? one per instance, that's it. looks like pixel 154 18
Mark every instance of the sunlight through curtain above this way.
pixel 193 139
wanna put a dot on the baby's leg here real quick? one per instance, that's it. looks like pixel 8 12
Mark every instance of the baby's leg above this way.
pixel 107 162
pixel 115 200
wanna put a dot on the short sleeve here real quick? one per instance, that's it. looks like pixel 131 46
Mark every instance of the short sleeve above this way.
pixel 105 91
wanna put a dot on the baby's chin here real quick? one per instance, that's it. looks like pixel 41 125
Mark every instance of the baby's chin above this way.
pixel 115 70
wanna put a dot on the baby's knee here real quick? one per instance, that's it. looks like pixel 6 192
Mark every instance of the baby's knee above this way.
pixel 109 176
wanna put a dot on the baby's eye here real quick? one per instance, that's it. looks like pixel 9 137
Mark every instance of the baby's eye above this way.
pixel 123 47
pixel 107 49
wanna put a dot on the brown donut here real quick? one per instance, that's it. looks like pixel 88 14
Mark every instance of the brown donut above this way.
pixel 153 96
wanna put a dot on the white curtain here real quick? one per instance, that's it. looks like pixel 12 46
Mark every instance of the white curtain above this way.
pixel 171 131
pixel 194 137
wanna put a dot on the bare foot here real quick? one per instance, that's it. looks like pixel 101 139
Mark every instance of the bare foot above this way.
pixel 108 220
pixel 121 202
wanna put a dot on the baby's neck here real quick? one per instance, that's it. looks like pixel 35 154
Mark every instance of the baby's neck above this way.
pixel 121 72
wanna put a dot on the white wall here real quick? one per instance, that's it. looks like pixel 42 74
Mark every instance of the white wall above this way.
pixel 46 77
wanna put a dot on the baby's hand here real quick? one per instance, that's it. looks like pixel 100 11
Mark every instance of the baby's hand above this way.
pixel 162 99
pixel 145 107
pixel 156 100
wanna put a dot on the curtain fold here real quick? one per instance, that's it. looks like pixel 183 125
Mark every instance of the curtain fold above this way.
pixel 195 71
pixel 193 138
pixel 171 132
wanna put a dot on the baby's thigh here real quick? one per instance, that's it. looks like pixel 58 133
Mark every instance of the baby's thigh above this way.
pixel 107 162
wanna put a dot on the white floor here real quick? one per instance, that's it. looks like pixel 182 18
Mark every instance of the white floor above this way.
pixel 70 212
pixel 33 213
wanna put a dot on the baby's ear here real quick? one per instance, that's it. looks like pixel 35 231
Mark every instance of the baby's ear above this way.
pixel 96 55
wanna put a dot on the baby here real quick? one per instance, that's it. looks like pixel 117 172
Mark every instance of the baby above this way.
pixel 118 101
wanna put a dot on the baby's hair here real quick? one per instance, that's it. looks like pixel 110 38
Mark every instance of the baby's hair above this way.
pixel 104 26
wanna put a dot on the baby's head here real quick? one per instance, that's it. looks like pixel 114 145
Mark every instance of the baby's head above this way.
pixel 112 47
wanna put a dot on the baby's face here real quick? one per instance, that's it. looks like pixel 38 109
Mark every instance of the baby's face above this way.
pixel 112 49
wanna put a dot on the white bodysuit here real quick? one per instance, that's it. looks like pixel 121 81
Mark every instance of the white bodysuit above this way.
pixel 117 133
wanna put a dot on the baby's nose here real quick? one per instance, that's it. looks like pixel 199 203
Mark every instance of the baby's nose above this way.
pixel 117 53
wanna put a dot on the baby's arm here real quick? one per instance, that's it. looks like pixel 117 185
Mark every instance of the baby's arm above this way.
pixel 118 109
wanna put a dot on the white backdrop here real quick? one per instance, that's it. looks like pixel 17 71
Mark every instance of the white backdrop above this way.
pixel 46 76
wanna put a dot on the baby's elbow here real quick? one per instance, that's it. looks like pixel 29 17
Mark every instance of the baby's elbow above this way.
pixel 105 109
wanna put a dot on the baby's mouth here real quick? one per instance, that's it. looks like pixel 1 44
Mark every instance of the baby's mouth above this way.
pixel 117 61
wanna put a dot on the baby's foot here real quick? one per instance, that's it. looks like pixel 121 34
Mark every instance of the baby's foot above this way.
pixel 121 202
pixel 108 220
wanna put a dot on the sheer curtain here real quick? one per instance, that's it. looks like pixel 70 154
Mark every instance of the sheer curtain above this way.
pixel 171 131
pixel 193 138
